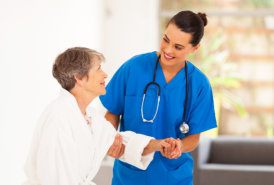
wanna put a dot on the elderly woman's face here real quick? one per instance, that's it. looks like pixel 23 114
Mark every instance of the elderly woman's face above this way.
pixel 95 83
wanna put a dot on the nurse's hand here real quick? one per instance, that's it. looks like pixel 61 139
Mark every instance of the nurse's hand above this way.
pixel 174 151
pixel 117 149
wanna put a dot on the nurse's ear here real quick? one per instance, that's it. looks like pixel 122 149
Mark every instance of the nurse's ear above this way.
pixel 195 48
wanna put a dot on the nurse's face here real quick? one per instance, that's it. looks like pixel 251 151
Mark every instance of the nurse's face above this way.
pixel 94 84
pixel 175 46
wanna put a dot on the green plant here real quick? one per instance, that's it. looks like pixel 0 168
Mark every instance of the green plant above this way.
pixel 212 59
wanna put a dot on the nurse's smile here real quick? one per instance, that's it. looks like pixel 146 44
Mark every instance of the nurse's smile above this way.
pixel 168 57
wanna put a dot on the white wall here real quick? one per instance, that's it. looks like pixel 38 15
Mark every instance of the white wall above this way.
pixel 32 34
pixel 130 28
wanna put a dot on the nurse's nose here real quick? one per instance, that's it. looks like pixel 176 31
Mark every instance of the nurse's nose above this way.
pixel 168 50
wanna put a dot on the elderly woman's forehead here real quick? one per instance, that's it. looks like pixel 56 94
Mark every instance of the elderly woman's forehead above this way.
pixel 95 63
pixel 96 60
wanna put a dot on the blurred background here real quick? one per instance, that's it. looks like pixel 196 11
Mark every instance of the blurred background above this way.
pixel 237 55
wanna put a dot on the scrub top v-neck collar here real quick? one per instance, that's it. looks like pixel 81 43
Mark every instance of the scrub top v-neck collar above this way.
pixel 160 77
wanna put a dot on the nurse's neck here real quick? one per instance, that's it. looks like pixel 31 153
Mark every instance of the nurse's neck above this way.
pixel 174 68
pixel 83 98
pixel 171 68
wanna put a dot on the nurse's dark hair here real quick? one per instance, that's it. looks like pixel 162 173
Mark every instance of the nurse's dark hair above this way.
pixel 74 61
pixel 190 22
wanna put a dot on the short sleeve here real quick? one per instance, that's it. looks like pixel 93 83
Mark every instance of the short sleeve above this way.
pixel 202 115
pixel 114 99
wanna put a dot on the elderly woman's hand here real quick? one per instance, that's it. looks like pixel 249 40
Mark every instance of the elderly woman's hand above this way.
pixel 155 145
pixel 117 149
pixel 175 149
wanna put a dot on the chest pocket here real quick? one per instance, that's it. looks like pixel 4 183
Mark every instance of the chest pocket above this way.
pixel 132 114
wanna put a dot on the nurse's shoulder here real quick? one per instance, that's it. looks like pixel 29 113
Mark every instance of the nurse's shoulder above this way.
pixel 199 79
pixel 139 61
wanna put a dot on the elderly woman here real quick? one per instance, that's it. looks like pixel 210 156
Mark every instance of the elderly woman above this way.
pixel 71 139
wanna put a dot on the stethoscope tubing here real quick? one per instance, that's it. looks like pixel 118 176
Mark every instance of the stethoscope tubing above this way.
pixel 184 128
pixel 186 71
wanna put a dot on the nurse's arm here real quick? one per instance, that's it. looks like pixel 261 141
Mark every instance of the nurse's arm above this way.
pixel 113 119
pixel 189 143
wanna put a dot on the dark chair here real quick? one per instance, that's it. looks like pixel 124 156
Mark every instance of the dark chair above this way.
pixel 234 161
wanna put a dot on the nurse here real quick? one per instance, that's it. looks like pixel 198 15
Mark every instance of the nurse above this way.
pixel 124 98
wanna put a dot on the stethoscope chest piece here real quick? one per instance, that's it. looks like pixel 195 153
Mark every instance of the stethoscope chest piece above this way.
pixel 184 128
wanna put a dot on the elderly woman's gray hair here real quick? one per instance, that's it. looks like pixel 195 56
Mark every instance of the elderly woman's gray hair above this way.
pixel 74 61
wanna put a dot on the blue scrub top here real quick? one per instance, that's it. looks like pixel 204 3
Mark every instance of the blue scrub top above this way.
pixel 124 97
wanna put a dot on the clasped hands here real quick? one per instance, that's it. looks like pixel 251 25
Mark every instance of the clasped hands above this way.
pixel 170 148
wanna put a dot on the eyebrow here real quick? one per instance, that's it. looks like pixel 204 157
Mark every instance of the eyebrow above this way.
pixel 175 44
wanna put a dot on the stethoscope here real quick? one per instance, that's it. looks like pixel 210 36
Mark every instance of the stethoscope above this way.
pixel 184 128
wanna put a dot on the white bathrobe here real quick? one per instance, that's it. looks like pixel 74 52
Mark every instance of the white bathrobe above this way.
pixel 68 151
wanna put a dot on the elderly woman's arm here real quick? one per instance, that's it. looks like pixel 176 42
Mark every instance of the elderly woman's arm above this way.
pixel 155 145
pixel 117 150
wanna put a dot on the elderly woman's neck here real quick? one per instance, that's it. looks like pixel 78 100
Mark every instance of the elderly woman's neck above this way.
pixel 83 99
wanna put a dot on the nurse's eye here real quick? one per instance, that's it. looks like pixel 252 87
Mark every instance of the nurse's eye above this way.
pixel 165 40
pixel 178 48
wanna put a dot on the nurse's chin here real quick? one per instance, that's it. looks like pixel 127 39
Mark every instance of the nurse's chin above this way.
pixel 103 92
pixel 170 62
